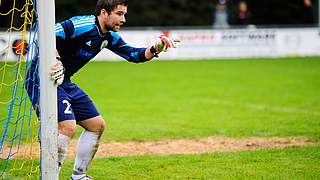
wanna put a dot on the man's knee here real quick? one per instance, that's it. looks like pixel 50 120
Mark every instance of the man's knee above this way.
pixel 96 124
pixel 67 128
pixel 100 126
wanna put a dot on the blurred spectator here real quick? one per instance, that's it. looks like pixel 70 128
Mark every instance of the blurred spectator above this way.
pixel 221 15
pixel 308 12
pixel 243 14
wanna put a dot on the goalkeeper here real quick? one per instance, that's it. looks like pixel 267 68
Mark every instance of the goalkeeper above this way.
pixel 79 39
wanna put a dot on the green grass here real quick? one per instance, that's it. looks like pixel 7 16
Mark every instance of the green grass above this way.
pixel 193 99
pixel 14 117
pixel 21 169
pixel 174 99
pixel 291 163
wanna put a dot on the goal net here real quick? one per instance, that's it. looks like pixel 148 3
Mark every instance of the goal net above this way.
pixel 19 144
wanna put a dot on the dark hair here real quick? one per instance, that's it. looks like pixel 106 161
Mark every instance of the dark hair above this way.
pixel 109 5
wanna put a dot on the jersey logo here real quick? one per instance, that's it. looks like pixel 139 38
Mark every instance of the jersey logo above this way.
pixel 88 43
pixel 84 54
pixel 104 44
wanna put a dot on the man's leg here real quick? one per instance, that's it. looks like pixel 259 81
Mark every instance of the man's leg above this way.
pixel 87 145
pixel 67 130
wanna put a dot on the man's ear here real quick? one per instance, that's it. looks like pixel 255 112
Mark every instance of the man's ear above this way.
pixel 104 12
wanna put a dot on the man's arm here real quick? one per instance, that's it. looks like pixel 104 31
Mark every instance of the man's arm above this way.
pixel 137 55
pixel 149 54
pixel 64 31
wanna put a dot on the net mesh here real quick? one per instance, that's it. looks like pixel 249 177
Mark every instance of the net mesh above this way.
pixel 19 147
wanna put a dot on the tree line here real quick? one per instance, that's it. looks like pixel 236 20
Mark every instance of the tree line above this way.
pixel 181 12
pixel 196 13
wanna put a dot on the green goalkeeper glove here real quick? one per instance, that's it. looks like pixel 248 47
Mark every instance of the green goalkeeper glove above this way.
pixel 162 44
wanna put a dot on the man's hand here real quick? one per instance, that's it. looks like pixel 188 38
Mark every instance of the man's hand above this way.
pixel 162 45
pixel 57 71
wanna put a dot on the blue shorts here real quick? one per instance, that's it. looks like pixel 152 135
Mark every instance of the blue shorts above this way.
pixel 73 103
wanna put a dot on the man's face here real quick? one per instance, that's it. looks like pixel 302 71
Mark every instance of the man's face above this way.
pixel 115 19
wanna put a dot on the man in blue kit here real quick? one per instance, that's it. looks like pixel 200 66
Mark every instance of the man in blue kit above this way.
pixel 79 39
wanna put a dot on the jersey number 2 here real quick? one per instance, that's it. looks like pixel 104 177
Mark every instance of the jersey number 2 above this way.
pixel 67 110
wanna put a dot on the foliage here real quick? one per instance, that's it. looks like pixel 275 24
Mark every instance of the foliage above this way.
pixel 193 13
pixel 179 12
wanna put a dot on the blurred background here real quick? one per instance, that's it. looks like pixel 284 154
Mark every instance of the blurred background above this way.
pixel 219 13
pixel 208 29
pixel 205 12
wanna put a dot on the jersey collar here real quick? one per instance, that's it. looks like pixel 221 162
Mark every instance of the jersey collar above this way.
pixel 99 27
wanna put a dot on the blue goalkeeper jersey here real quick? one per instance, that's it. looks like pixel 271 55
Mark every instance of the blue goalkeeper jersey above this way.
pixel 79 39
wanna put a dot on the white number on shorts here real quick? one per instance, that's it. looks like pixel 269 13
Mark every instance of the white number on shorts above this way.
pixel 67 110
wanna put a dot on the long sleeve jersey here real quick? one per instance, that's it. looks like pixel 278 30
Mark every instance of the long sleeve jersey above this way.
pixel 79 39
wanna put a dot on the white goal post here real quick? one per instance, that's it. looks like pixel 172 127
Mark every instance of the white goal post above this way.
pixel 48 92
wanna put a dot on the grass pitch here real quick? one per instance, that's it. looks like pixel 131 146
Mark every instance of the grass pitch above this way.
pixel 174 99
pixel 194 99
pixel 292 163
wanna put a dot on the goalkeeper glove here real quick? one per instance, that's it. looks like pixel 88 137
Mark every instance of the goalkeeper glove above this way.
pixel 57 72
pixel 162 44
